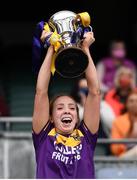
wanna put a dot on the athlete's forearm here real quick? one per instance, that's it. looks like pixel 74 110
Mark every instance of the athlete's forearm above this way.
pixel 91 75
pixel 45 72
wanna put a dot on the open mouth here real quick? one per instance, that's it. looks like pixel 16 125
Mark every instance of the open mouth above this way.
pixel 66 120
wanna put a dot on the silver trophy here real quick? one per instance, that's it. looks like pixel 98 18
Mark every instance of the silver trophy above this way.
pixel 67 30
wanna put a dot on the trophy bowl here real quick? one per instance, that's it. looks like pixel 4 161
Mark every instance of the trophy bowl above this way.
pixel 71 62
pixel 67 30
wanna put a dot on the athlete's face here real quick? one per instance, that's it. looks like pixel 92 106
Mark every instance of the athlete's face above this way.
pixel 64 115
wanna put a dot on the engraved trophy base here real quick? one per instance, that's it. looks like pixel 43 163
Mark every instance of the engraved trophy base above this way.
pixel 71 62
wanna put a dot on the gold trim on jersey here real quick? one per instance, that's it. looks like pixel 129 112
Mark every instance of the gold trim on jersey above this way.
pixel 73 140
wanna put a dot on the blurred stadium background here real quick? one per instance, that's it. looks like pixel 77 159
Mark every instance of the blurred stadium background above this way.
pixel 109 19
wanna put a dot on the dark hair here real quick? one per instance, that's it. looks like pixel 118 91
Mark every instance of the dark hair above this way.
pixel 134 91
pixel 116 41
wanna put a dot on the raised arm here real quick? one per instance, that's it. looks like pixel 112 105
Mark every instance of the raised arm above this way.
pixel 41 102
pixel 92 104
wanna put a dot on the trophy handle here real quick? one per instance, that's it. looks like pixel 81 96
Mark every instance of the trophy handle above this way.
pixel 47 28
pixel 52 39
pixel 84 18
pixel 81 24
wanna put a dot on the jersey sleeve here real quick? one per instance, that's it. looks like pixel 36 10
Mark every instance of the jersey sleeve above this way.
pixel 40 137
pixel 90 138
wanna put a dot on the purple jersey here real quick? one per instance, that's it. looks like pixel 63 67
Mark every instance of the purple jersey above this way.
pixel 65 157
